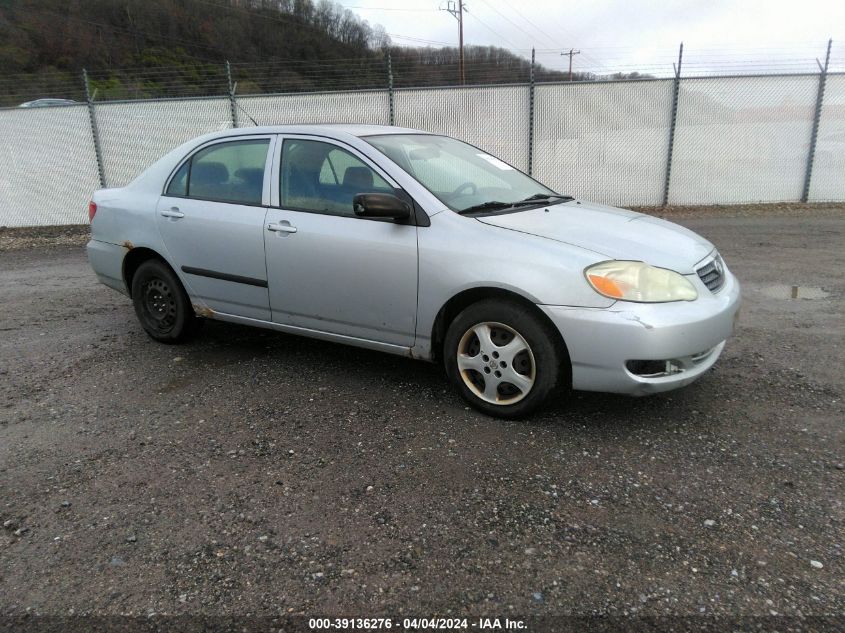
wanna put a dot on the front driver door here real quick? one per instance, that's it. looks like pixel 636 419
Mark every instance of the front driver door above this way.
pixel 211 219
pixel 329 270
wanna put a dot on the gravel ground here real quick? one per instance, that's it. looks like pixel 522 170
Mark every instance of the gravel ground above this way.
pixel 20 238
pixel 253 472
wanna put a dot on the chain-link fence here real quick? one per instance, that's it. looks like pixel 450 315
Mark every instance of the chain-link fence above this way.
pixel 494 118
pixel 606 142
pixel 742 139
pixel 696 140
pixel 48 166
pixel 134 134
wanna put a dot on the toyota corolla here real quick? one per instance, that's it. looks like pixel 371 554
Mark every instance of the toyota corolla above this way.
pixel 416 244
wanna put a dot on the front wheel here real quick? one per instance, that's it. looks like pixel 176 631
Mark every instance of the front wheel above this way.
pixel 161 304
pixel 504 360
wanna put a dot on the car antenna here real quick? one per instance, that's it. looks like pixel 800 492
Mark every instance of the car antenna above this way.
pixel 235 101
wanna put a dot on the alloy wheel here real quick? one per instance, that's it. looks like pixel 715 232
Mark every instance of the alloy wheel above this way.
pixel 496 363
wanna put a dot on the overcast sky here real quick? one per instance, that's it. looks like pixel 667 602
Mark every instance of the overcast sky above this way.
pixel 625 35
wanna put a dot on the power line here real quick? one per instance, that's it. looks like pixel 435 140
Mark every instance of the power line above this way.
pixel 530 37
pixel 496 33
pixel 387 9
pixel 419 39
pixel 549 37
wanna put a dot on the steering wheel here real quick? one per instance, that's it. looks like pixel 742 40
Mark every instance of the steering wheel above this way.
pixel 466 185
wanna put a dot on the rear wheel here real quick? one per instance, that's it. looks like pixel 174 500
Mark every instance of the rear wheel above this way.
pixel 503 359
pixel 161 304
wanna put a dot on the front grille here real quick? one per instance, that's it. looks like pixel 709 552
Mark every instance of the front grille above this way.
pixel 713 274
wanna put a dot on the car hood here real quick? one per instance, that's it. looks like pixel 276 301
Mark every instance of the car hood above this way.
pixel 611 232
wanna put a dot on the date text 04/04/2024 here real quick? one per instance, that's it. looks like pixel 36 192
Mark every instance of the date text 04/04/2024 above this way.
pixel 416 624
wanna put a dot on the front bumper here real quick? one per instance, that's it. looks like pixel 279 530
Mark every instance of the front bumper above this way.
pixel 688 334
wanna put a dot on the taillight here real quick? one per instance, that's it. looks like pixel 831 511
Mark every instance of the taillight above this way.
pixel 92 210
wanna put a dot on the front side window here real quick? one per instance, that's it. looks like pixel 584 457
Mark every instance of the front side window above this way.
pixel 322 177
pixel 225 172
pixel 461 176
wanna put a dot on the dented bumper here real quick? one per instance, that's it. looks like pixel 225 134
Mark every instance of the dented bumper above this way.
pixel 688 335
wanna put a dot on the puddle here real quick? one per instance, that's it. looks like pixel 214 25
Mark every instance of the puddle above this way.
pixel 782 291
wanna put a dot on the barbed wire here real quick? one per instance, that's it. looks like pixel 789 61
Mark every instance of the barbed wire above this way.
pixel 410 68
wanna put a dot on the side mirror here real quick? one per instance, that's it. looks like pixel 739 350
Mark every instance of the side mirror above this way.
pixel 380 205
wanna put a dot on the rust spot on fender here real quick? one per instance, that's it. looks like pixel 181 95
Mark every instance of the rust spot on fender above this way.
pixel 414 355
pixel 203 311
pixel 127 245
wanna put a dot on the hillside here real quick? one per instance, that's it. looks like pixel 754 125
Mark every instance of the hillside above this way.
pixel 155 48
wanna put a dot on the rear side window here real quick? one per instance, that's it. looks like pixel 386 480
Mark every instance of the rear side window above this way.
pixel 225 172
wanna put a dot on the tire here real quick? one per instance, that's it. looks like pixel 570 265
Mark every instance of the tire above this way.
pixel 517 345
pixel 161 304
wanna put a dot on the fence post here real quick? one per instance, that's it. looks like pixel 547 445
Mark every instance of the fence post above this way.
pixel 390 117
pixel 233 107
pixel 95 130
pixel 811 154
pixel 531 116
pixel 676 87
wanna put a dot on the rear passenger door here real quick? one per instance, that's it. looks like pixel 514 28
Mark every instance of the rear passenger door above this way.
pixel 211 219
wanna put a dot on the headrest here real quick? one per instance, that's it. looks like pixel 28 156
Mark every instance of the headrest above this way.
pixel 252 175
pixel 209 173
pixel 358 177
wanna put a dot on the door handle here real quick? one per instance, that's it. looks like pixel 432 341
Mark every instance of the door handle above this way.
pixel 281 227
pixel 172 212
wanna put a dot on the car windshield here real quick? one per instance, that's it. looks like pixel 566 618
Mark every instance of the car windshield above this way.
pixel 463 177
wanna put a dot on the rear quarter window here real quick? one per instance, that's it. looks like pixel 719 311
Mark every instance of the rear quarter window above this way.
pixel 179 183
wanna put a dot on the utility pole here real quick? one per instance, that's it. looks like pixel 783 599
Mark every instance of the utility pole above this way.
pixel 571 52
pixel 457 10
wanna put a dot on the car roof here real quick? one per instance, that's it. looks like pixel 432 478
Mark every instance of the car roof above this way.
pixel 333 130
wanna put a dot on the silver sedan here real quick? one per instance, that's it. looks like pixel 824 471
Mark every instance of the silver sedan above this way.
pixel 415 244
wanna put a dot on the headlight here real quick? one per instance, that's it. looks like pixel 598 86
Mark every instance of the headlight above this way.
pixel 637 281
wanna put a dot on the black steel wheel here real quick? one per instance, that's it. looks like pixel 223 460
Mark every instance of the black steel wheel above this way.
pixel 161 303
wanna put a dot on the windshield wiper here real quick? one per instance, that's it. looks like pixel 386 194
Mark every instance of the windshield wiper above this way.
pixel 486 206
pixel 494 205
pixel 542 196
